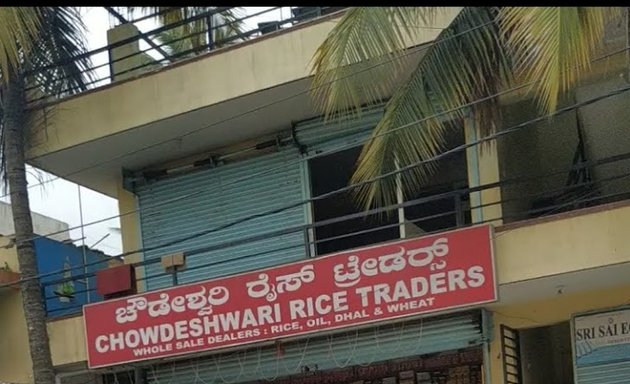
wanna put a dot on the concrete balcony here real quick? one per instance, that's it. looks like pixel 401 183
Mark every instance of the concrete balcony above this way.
pixel 217 99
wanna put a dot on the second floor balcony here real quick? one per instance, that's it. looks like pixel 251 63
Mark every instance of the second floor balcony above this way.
pixel 288 197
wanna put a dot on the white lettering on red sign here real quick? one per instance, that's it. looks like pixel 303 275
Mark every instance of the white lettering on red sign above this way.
pixel 404 278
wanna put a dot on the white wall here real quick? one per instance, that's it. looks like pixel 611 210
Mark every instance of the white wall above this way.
pixel 42 225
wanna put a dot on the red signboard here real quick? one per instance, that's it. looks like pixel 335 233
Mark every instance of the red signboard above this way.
pixel 411 277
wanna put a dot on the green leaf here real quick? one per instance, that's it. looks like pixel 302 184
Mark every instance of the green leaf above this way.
pixel 192 36
pixel 18 28
pixel 553 46
pixel 466 61
pixel 365 37
pixel 59 65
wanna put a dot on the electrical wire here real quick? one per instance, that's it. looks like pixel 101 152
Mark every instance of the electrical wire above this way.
pixel 294 229
pixel 177 55
pixel 387 61
pixel 186 196
pixel 351 354
pixel 449 152
pixel 308 157
pixel 303 159
pixel 410 52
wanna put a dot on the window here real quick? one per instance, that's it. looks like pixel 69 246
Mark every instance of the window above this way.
pixel 332 172
pixel 434 208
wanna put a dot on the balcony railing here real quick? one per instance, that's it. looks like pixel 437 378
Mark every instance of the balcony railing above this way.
pixel 171 43
pixel 609 181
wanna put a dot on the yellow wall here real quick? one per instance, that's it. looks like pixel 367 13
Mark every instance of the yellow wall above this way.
pixel 483 169
pixel 568 244
pixel 14 354
pixel 547 312
pixel 15 361
pixel 67 340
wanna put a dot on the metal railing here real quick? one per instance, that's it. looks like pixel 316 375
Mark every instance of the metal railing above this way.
pixel 171 43
pixel 523 197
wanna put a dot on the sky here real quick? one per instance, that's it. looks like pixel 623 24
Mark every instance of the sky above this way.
pixel 58 198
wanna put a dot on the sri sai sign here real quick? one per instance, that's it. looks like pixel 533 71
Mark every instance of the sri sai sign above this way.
pixel 405 278
pixel 602 337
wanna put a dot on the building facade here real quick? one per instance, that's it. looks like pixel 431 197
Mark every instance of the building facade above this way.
pixel 227 178
pixel 42 225
pixel 68 283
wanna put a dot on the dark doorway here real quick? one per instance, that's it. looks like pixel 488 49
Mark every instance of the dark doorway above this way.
pixel 332 172
pixel 546 355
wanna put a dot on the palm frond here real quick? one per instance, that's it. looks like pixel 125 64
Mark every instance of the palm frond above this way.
pixel 553 46
pixel 59 65
pixel 232 26
pixel 18 26
pixel 465 62
pixel 362 37
pixel 228 21
pixel 175 42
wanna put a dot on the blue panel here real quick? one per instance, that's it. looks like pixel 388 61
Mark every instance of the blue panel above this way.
pixel 616 373
pixel 386 342
pixel 602 355
pixel 223 195
pixel 54 256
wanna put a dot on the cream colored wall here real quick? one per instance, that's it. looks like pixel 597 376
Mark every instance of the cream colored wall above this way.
pixel 570 244
pixel 67 340
pixel 483 169
pixel 15 361
pixel 200 82
pixel 547 312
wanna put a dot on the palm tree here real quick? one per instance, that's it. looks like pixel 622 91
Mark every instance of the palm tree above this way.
pixel 39 46
pixel 191 38
pixel 482 51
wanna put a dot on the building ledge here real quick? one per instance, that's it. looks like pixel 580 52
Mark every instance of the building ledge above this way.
pixel 563 215
pixel 218 99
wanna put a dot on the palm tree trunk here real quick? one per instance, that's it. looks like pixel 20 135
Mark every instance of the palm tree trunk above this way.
pixel 32 300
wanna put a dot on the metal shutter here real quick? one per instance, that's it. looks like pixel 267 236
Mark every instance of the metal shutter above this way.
pixel 227 193
pixel 597 363
pixel 318 136
pixel 386 342
pixel 615 373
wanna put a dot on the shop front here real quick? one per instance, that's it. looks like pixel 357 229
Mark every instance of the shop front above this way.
pixel 403 312
pixel 444 349
pixel 601 342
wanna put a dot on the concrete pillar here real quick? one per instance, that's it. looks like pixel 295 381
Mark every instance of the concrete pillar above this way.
pixel 123 68
pixel 483 169
pixel 130 231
